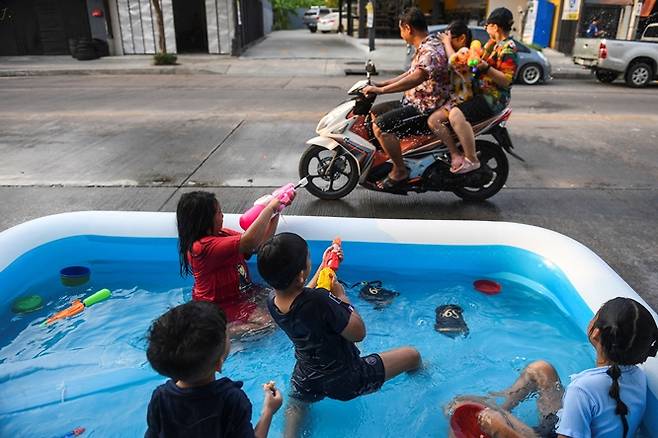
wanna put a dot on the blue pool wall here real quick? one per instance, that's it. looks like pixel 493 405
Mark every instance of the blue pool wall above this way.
pixel 26 267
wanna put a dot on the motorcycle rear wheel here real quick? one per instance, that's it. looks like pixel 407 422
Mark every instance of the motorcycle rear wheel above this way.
pixel 331 174
pixel 492 156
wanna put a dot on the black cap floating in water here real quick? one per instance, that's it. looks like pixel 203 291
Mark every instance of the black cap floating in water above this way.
pixel 450 321
pixel 374 293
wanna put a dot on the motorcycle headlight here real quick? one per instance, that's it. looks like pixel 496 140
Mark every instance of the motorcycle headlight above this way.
pixel 323 123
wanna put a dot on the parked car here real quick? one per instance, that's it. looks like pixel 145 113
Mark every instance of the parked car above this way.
pixel 312 15
pixel 328 23
pixel 533 66
pixel 637 61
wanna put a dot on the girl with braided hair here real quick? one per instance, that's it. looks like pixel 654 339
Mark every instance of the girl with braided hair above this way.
pixel 606 401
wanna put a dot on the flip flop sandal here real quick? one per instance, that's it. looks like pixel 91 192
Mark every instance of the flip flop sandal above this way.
pixel 456 163
pixel 389 183
pixel 466 167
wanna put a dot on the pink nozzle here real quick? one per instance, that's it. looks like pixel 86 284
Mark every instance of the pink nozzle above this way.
pixel 283 193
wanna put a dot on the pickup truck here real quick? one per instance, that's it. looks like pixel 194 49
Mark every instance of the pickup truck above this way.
pixel 610 58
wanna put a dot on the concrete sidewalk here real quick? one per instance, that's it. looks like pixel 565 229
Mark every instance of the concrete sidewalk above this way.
pixel 279 54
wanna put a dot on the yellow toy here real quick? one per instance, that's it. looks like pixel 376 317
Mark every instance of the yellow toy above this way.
pixel 475 54
pixel 330 266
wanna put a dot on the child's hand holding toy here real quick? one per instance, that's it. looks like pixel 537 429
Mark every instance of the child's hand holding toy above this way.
pixel 273 397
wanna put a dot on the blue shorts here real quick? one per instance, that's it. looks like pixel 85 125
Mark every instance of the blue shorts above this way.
pixel 365 375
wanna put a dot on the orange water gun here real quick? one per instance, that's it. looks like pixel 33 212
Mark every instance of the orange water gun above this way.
pixel 330 266
pixel 78 306
pixel 475 54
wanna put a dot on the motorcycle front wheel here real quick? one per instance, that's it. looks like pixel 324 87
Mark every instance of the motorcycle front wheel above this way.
pixel 494 162
pixel 331 174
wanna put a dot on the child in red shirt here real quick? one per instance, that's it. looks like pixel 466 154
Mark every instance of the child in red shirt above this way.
pixel 215 256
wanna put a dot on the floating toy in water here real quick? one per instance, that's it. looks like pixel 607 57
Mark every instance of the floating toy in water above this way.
pixel 284 193
pixel 78 306
pixel 464 421
pixel 75 432
pixel 330 266
pixel 74 275
pixel 374 293
pixel 27 304
pixel 488 287
pixel 450 321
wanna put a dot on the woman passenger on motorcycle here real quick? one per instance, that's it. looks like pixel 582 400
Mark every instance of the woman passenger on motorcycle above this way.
pixel 493 82
pixel 456 37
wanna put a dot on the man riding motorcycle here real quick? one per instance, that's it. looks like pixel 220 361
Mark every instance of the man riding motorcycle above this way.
pixel 426 85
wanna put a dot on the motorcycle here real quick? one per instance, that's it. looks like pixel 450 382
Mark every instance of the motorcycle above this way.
pixel 346 153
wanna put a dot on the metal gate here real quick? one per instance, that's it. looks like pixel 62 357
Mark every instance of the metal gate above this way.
pixel 249 23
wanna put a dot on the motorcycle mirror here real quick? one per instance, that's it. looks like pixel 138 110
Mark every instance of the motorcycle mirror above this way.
pixel 370 67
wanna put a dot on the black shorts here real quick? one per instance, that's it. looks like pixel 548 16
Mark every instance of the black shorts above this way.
pixel 395 118
pixel 366 375
pixel 546 428
pixel 476 110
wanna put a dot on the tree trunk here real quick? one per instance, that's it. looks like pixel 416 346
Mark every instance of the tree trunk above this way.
pixel 159 22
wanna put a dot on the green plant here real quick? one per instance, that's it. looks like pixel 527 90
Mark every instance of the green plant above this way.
pixel 164 59
pixel 537 47
pixel 283 8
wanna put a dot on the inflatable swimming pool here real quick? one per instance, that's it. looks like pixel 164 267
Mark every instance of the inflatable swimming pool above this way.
pixel 90 371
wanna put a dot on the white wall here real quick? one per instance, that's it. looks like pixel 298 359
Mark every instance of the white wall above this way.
pixel 137 31
pixel 512 5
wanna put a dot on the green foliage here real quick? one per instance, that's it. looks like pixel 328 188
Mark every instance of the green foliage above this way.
pixel 282 8
pixel 332 3
pixel 164 59
pixel 537 47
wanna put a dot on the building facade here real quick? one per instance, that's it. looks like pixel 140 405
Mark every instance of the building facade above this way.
pixel 127 27
pixel 619 19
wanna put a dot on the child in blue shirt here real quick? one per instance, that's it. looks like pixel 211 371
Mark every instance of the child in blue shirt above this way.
pixel 323 327
pixel 190 343
pixel 606 401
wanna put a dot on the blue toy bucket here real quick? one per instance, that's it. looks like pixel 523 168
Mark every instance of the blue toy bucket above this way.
pixel 74 275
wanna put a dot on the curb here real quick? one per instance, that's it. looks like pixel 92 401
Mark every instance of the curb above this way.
pixel 178 70
pixel 109 71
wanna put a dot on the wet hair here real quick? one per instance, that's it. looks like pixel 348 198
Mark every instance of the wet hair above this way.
pixel 628 336
pixel 281 259
pixel 195 218
pixel 458 28
pixel 501 17
pixel 414 18
pixel 187 341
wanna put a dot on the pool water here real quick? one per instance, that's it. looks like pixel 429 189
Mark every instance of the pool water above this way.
pixel 91 371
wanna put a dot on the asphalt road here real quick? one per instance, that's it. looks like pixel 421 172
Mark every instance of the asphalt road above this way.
pixel 137 142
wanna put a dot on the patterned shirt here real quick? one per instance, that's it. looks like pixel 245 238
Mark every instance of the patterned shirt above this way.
pixel 501 56
pixel 431 94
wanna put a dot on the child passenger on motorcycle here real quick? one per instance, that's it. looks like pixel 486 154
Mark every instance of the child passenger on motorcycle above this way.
pixel 215 256
pixel 456 37
pixel 492 88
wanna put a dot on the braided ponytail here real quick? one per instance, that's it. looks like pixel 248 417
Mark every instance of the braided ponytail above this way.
pixel 622 410
pixel 628 335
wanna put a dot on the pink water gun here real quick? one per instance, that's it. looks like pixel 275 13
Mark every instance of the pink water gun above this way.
pixel 283 193
pixel 330 266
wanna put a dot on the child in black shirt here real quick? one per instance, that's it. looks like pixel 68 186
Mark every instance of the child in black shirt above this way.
pixel 323 326
pixel 190 343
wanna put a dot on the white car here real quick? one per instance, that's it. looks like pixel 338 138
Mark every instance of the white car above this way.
pixel 328 23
